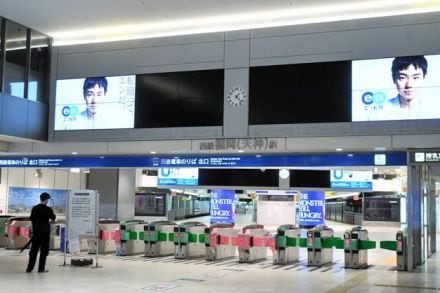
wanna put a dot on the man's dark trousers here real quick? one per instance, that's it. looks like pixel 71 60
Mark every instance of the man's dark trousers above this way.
pixel 39 242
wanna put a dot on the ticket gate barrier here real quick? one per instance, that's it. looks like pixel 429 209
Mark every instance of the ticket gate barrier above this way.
pixel 131 238
pixel 320 242
pixel 286 246
pixel 253 243
pixel 3 232
pixel 55 234
pixel 356 245
pixel 189 240
pixel 399 246
pixel 159 238
pixel 221 241
pixel 107 237
pixel 18 230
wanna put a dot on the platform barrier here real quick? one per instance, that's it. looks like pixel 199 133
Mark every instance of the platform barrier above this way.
pixel 286 244
pixel 189 240
pixel 3 232
pixel 159 238
pixel 356 246
pixel 221 240
pixel 18 230
pixel 399 246
pixel 131 238
pixel 253 243
pixel 107 236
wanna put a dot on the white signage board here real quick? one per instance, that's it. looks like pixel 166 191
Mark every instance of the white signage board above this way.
pixel 82 213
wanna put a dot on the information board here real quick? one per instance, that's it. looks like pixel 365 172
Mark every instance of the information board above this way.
pixel 82 215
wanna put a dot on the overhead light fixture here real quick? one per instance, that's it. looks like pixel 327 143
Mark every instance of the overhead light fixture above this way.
pixel 380 149
pixel 153 152
pixel 241 151
pixel 339 150
pixel 74 153
pixel 75 170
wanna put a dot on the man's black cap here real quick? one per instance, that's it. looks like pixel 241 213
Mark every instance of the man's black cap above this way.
pixel 44 196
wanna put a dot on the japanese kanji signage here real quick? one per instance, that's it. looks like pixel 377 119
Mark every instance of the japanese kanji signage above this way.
pixel 245 144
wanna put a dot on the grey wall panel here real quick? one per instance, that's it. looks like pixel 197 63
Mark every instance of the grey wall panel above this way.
pixel 237 53
pixel 37 120
pixel 235 119
pixel 237 35
pixel 120 62
pixel 126 191
pixel 106 182
pixel 14 116
pixel 139 134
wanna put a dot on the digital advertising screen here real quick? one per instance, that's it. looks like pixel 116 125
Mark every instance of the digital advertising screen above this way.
pixel 178 177
pixel 95 103
pixel 399 88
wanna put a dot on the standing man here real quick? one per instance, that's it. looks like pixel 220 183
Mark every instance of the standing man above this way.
pixel 40 216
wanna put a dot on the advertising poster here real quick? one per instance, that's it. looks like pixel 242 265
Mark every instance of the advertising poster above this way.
pixel 311 208
pixel 222 206
pixel 178 177
pixel 22 199
pixel 95 103
pixel 398 88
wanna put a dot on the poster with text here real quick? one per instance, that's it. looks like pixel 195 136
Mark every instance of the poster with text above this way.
pixel 222 206
pixel 311 208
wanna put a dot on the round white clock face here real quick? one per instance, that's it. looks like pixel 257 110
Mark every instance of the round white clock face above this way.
pixel 236 96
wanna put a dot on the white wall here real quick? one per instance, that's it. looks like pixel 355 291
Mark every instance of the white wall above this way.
pixel 50 179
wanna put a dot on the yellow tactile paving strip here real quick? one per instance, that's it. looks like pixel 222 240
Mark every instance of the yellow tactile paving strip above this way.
pixel 348 285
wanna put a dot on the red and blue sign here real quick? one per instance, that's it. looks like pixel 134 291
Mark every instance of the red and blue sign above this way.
pixel 222 206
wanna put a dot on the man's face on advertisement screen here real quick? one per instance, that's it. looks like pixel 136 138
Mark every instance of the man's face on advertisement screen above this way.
pixel 93 98
pixel 408 83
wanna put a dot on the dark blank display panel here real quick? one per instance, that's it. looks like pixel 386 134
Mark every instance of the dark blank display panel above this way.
pixel 310 178
pixel 239 177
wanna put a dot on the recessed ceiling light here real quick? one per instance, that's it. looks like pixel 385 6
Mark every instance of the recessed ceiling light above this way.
pixel 339 150
pixel 380 148
pixel 74 153
pixel 240 151
pixel 153 152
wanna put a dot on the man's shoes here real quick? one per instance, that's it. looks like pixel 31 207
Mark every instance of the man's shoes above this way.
pixel 28 271
pixel 44 271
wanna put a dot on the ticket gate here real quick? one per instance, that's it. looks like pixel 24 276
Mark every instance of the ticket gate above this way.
pixel 189 240
pixel 221 241
pixel 18 231
pixel 106 237
pixel 129 242
pixel 356 245
pixel 286 248
pixel 399 246
pixel 3 232
pixel 55 234
pixel 320 245
pixel 253 243
pixel 158 238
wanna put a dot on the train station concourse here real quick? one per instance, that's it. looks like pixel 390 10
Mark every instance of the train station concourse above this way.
pixel 235 145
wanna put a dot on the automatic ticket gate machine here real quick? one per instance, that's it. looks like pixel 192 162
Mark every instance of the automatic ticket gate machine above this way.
pixel 189 240
pixel 131 238
pixel 158 238
pixel 221 241
pixel 356 245
pixel 320 245
pixel 107 237
pixel 3 232
pixel 286 248
pixel 253 243
pixel 399 246
pixel 18 230
pixel 55 234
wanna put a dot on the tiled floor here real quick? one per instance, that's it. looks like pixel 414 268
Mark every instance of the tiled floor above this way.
pixel 140 274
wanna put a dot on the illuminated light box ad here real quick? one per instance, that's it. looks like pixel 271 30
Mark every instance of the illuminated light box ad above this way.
pixel 311 208
pixel 398 88
pixel 178 177
pixel 345 179
pixel 222 206
pixel 95 103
